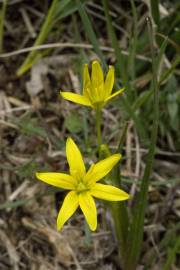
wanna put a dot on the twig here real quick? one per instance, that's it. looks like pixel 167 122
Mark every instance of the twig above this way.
pixel 68 45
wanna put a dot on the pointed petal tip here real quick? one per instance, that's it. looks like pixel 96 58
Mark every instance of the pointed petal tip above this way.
pixel 59 226
pixel 126 196
pixel 95 61
pixel 93 228
pixel 120 91
pixel 69 139
pixel 117 156
pixel 108 193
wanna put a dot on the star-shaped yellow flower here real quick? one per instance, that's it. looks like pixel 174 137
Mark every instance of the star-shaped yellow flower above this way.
pixel 96 91
pixel 83 185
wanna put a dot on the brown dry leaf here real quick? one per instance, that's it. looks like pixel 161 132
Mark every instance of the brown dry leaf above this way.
pixel 65 253
pixel 13 255
pixel 35 85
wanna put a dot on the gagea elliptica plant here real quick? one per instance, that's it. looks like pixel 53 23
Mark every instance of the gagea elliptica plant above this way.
pixel 83 185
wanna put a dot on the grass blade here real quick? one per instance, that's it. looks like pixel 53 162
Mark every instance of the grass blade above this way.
pixel 135 235
pixel 162 246
pixel 2 16
pixel 89 31
pixel 117 49
pixel 166 74
pixel 141 100
pixel 120 215
pixel 172 255
pixel 155 12
pixel 122 70
pixel 133 44
pixel 46 28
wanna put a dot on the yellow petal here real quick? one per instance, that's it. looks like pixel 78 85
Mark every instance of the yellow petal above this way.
pixel 109 193
pixel 109 82
pixel 88 208
pixel 97 79
pixel 60 180
pixel 101 168
pixel 115 94
pixel 75 160
pixel 97 76
pixel 69 206
pixel 76 98
pixel 86 82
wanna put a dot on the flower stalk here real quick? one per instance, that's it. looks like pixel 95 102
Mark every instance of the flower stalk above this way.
pixel 98 130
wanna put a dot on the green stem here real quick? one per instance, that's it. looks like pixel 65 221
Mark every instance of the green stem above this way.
pixel 2 16
pixel 46 28
pixel 98 129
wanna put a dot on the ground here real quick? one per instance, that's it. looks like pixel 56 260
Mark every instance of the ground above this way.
pixel 35 122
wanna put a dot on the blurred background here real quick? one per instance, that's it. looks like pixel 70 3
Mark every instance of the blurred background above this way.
pixel 43 46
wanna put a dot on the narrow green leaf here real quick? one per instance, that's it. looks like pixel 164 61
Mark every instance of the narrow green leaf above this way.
pixel 88 234
pixel 162 246
pixel 133 45
pixel 52 17
pixel 2 17
pixel 135 236
pixel 122 70
pixel 155 11
pixel 167 73
pixel 120 214
pixel 63 4
pixel 172 255
pixel 89 30
pixel 141 100
pixel 46 27
pixel 117 49
pixel 69 7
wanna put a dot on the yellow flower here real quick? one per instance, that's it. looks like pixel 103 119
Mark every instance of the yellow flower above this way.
pixel 96 91
pixel 83 185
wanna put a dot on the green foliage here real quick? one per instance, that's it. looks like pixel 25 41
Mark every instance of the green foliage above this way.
pixel 57 11
pixel 2 18
pixel 27 170
pixel 135 234
pixel 30 126
pixel 73 123
pixel 173 102
pixel 172 252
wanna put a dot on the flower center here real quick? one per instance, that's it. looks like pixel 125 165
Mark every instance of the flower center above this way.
pixel 81 186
